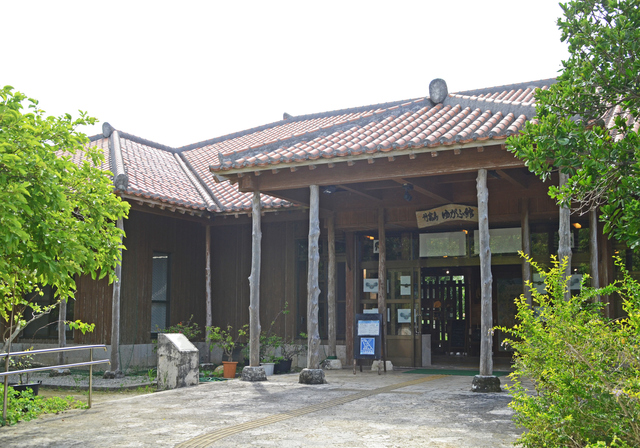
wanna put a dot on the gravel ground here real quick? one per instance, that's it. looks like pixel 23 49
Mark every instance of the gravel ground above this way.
pixel 439 412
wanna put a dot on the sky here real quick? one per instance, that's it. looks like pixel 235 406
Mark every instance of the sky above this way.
pixel 182 72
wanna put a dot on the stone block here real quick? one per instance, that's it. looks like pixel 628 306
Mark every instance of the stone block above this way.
pixel 254 373
pixel 59 372
pixel 332 364
pixel 376 363
pixel 178 361
pixel 482 383
pixel 312 376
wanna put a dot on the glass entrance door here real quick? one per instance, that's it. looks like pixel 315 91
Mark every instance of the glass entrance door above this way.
pixel 402 316
pixel 445 294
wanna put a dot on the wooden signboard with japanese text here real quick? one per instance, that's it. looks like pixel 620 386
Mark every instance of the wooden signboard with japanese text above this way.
pixel 446 213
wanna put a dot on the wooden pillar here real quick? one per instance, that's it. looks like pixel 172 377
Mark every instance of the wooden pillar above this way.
pixel 207 252
pixel 382 282
pixel 593 249
pixel 564 232
pixel 115 312
pixel 350 295
pixel 331 285
pixel 254 283
pixel 313 288
pixel 486 321
pixel 526 248
pixel 62 326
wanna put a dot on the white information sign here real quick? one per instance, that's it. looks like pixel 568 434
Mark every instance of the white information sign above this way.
pixel 368 328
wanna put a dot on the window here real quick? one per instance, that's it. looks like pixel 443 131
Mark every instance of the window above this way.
pixel 160 292
pixel 46 327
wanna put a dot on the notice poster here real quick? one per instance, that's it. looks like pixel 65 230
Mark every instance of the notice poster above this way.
pixel 368 328
pixel 405 285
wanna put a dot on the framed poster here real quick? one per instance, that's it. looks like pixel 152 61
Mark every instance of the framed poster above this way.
pixel 404 315
pixel 370 285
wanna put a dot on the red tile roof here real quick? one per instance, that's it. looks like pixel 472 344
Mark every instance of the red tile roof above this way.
pixel 463 118
pixel 182 176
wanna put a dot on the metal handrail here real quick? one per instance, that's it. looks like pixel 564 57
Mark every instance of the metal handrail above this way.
pixel 90 363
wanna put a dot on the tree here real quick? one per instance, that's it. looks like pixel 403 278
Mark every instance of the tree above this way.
pixel 587 123
pixel 57 216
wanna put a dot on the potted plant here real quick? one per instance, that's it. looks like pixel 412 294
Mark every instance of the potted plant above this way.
pixel 22 363
pixel 226 340
pixel 269 343
pixel 288 350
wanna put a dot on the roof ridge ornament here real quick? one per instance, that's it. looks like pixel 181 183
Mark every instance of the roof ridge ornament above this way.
pixel 438 91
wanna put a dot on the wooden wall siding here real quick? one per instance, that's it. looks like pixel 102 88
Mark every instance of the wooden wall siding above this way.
pixel 184 241
pixel 93 305
pixel 231 267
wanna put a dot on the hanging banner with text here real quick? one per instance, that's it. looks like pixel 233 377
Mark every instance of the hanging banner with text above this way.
pixel 447 213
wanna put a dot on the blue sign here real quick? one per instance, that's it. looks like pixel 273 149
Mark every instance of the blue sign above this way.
pixel 367 346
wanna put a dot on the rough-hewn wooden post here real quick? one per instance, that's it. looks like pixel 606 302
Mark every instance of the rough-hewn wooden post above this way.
pixel 331 285
pixel 254 284
pixel 564 232
pixel 486 321
pixel 526 248
pixel 350 285
pixel 115 313
pixel 382 282
pixel 207 254
pixel 313 288
pixel 593 249
pixel 62 333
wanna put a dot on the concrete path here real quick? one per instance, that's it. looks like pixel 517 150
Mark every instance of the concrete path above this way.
pixel 365 410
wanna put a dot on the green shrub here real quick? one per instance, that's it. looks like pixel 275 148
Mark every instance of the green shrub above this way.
pixel 25 406
pixel 585 368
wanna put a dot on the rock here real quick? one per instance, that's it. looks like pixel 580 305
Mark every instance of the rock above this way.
pixel 254 374
pixel 60 372
pixel 482 383
pixel 332 364
pixel 219 370
pixel 376 363
pixel 312 376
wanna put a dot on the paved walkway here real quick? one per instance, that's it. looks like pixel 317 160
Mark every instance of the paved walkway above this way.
pixel 365 410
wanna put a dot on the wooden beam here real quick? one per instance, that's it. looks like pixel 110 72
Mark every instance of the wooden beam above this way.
pixel 361 193
pixel 382 282
pixel 419 187
pixel 564 232
pixel 313 288
pixel 486 320
pixel 515 179
pixel 446 163
pixel 331 284
pixel 254 283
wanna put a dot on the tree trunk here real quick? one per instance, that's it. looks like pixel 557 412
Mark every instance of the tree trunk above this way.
pixel 254 284
pixel 486 321
pixel 564 232
pixel 115 312
pixel 382 282
pixel 62 326
pixel 313 289
pixel 209 319
pixel 331 285
pixel 526 248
